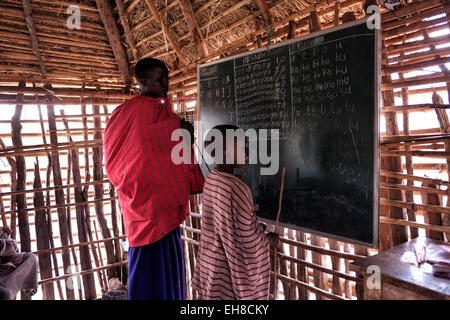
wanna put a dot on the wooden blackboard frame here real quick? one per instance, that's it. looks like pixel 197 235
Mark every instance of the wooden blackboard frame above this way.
pixel 377 102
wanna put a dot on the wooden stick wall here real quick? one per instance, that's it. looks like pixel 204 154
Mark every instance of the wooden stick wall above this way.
pixel 61 206
pixel 54 189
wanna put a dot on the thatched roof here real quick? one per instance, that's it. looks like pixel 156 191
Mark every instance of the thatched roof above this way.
pixel 85 55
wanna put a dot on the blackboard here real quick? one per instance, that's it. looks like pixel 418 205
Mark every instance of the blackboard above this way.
pixel 322 93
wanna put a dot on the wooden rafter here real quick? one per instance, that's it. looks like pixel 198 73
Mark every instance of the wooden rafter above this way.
pixel 126 28
pixel 265 11
pixel 107 15
pixel 166 31
pixel 34 40
pixel 192 23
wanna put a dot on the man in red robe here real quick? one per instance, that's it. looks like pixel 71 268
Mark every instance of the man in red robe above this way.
pixel 153 191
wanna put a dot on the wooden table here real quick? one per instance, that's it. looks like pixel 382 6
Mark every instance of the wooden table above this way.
pixel 399 280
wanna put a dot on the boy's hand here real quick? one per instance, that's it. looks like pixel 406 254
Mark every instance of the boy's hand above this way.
pixel 263 225
pixel 274 239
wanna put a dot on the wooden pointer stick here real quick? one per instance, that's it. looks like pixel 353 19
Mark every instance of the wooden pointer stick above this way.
pixel 281 197
pixel 276 227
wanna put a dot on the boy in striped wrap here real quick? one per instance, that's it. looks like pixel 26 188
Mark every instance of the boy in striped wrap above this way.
pixel 233 261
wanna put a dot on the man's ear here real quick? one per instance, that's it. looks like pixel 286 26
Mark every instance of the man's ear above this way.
pixel 142 84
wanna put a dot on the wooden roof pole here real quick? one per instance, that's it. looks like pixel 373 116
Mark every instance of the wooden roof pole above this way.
pixel 34 40
pixel 166 31
pixel 265 11
pixel 107 15
pixel 192 23
pixel 126 28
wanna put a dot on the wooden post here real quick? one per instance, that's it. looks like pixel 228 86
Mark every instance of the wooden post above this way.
pixel 337 7
pixel 302 274
pixel 291 32
pixel 409 196
pixel 47 204
pixel 444 124
pixel 314 22
pixel 97 157
pixel 69 216
pixel 115 226
pixel 347 283
pixel 13 177
pixel 85 257
pixel 337 285
pixel 391 235
pixel 103 278
pixel 16 137
pixel 42 236
pixel 292 267
pixel 258 37
pixel 431 217
pixel 59 193
pixel 116 218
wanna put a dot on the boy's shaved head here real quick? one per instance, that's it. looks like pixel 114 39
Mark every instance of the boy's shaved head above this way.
pixel 226 143
pixel 222 128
